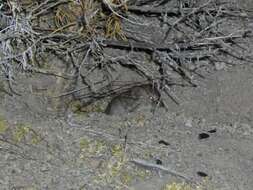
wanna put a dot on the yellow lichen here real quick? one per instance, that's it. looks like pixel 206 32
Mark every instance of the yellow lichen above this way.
pixel 35 139
pixel 89 149
pixel 21 132
pixel 25 132
pixel 140 120
pixel 3 125
pixel 114 168
pixel 180 186
pixel 126 178
pixel 176 186
pixel 84 144
pixel 117 150
pixel 142 173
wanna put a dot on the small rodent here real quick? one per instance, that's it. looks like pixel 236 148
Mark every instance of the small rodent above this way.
pixel 132 99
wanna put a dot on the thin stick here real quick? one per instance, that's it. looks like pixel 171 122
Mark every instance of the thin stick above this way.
pixel 183 18
pixel 149 165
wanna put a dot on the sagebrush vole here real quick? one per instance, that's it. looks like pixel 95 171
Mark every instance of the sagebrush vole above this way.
pixel 131 100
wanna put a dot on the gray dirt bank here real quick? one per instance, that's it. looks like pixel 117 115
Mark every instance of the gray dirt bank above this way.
pixel 210 132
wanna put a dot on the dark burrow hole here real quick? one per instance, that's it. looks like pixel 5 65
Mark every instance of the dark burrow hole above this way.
pixel 164 142
pixel 202 174
pixel 203 136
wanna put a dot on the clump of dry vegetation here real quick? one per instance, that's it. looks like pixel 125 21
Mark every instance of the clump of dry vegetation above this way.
pixel 177 37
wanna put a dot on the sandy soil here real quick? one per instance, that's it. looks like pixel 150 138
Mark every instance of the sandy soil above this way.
pixel 207 139
pixel 210 132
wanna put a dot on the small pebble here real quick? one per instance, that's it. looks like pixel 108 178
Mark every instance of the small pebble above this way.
pixel 212 131
pixel 202 174
pixel 203 136
pixel 164 143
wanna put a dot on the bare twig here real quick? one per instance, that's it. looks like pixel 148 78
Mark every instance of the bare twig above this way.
pixel 152 166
